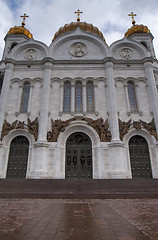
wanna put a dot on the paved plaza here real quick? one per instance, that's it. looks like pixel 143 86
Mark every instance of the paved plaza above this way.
pixel 47 219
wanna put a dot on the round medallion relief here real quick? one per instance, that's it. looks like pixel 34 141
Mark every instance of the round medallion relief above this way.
pixel 30 54
pixel 126 53
pixel 78 49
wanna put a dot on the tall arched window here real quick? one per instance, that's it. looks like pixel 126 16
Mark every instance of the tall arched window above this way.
pixel 25 98
pixel 132 97
pixel 67 97
pixel 90 97
pixel 78 97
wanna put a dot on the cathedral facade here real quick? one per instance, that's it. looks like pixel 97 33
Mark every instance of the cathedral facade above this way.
pixel 79 108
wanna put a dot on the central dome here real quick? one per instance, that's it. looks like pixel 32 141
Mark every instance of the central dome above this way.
pixel 82 25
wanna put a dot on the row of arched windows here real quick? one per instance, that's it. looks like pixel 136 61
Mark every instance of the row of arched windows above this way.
pixel 78 98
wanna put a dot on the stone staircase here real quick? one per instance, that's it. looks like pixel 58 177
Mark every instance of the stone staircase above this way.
pixel 79 188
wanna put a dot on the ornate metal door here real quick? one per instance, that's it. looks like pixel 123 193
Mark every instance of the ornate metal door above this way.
pixel 18 156
pixel 78 156
pixel 139 157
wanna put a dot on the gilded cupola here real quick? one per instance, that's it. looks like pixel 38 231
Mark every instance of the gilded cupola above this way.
pixel 21 29
pixel 136 28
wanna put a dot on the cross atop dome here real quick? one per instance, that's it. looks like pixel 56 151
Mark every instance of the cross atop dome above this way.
pixel 24 18
pixel 132 15
pixel 78 15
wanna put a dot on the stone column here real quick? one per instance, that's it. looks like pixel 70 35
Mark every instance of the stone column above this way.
pixel 44 104
pixel 3 105
pixel 30 98
pixel 72 99
pixel 127 99
pixel 113 116
pixel 137 98
pixel 40 167
pixel 96 99
pixel 84 100
pixel 152 90
pixel 5 91
pixel 19 99
pixel 61 99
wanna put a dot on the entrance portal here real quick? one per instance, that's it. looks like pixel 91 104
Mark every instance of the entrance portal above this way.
pixel 78 156
pixel 139 157
pixel 18 156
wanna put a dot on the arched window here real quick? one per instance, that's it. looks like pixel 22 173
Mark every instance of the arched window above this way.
pixel 78 97
pixel 132 97
pixel 25 98
pixel 67 97
pixel 90 97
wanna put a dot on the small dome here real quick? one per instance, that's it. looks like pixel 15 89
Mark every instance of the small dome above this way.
pixel 82 25
pixel 137 29
pixel 20 30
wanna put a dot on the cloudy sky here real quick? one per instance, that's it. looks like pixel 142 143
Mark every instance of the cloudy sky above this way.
pixel 47 16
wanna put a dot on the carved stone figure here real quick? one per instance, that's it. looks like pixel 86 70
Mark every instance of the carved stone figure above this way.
pixel 33 127
pixel 7 127
pixel 124 128
pixel 150 127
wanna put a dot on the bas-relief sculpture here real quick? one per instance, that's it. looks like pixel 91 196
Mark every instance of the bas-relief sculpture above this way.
pixel 78 49
pixel 99 125
pixel 125 126
pixel 32 127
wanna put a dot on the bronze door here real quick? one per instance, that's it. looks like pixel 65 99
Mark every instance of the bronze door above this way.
pixel 18 156
pixel 140 158
pixel 78 156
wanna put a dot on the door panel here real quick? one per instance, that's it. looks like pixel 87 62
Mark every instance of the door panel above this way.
pixel 18 156
pixel 139 157
pixel 78 156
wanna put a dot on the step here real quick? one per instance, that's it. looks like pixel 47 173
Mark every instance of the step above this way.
pixel 79 188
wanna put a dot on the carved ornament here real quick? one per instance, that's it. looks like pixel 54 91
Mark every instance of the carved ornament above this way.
pixel 126 53
pixel 32 127
pixel 101 127
pixel 78 49
pixel 30 54
pixel 124 128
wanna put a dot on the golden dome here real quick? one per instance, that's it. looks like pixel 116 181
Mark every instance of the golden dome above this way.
pixel 20 30
pixel 82 25
pixel 137 29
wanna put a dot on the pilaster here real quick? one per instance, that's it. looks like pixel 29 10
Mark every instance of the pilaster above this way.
pixel 44 104
pixel 84 99
pixel 61 99
pixel 72 99
pixel 152 90
pixel 113 117
pixel 5 91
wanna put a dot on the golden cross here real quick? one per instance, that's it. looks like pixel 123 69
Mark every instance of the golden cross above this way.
pixel 24 17
pixel 78 14
pixel 132 15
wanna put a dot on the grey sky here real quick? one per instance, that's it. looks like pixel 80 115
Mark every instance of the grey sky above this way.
pixel 47 16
